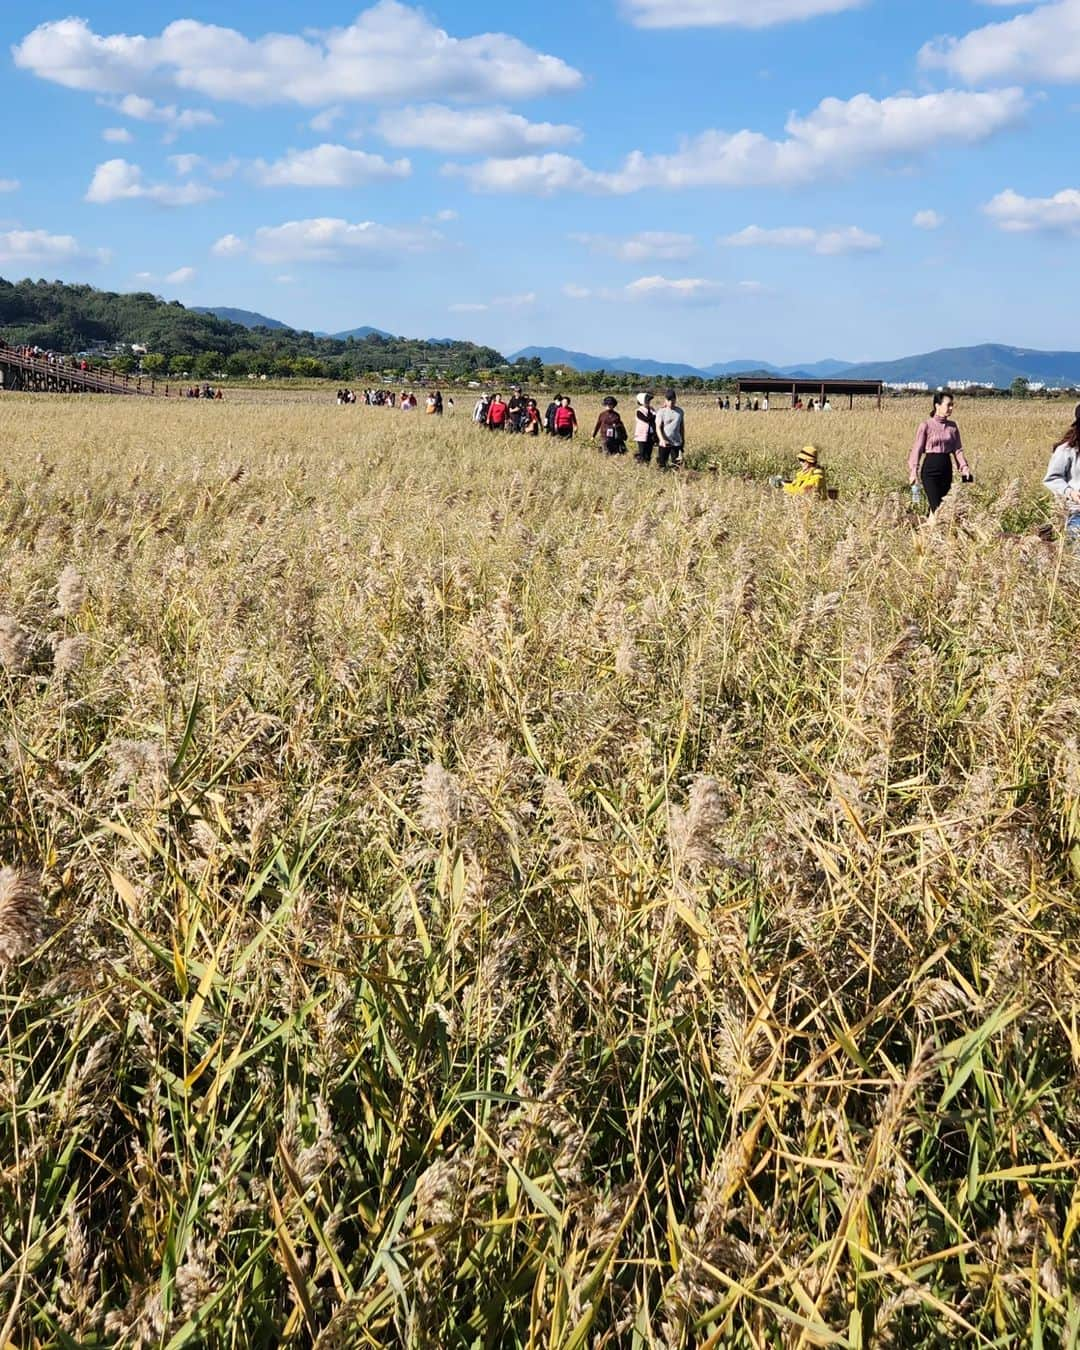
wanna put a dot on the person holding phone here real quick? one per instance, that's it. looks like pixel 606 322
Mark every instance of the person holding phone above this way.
pixel 937 444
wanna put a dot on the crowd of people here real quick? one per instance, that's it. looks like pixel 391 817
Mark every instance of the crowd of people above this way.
pixel 202 391
pixel 35 353
pixel 724 404
pixel 435 405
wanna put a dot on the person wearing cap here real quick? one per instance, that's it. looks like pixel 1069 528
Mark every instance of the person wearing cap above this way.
pixel 610 429
pixel 1063 477
pixel 670 432
pixel 644 429
pixel 810 479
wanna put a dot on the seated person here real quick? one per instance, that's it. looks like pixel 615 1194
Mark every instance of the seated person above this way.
pixel 810 479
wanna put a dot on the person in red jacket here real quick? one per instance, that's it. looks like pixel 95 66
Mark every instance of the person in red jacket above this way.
pixel 565 420
pixel 496 416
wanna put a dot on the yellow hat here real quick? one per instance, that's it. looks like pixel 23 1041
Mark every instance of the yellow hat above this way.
pixel 808 455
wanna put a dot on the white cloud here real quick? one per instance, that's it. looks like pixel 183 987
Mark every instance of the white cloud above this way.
pixel 117 180
pixel 9 185
pixel 928 220
pixel 19 247
pixel 174 119
pixel 285 280
pixel 185 165
pixel 330 240
pixel 828 243
pixel 323 121
pixel 640 247
pixel 117 136
pixel 524 301
pixel 729 13
pixel 390 51
pixel 229 246
pixel 1059 214
pixel 1043 46
pixel 446 215
pixel 835 138
pixel 667 290
pixel 181 276
pixel 328 166
pixel 470 131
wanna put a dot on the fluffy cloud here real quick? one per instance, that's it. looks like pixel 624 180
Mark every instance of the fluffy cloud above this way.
pixel 19 247
pixel 118 181
pixel 229 246
pixel 639 247
pixel 9 185
pixel 835 138
pixel 470 131
pixel 829 243
pixel 117 136
pixel 729 13
pixel 1041 46
pixel 174 119
pixel 1059 214
pixel 330 240
pixel 390 51
pixel 927 220
pixel 181 276
pixel 328 166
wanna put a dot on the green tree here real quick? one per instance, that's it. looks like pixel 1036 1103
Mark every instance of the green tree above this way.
pixel 153 363
pixel 1019 387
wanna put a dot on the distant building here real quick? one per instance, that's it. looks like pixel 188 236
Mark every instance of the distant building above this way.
pixel 911 387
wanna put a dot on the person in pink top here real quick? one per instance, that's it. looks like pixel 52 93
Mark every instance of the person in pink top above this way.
pixel 937 444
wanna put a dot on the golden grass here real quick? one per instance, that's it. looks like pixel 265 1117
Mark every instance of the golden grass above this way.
pixel 501 897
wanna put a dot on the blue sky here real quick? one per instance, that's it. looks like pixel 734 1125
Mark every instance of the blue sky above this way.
pixel 691 180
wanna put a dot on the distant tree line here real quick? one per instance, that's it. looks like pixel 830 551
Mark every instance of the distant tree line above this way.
pixel 70 319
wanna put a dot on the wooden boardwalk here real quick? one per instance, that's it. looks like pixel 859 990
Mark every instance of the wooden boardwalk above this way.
pixel 20 371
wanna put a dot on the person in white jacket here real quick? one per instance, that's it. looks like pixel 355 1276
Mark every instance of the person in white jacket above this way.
pixel 1063 476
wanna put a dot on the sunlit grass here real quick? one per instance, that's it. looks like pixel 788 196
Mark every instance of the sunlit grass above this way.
pixel 496 896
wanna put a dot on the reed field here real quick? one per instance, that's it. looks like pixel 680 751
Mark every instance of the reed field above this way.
pixel 461 891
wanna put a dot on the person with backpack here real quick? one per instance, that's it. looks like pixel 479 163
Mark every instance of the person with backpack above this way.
pixel 565 420
pixel 1063 477
pixel 496 415
pixel 670 431
pixel 644 429
pixel 610 429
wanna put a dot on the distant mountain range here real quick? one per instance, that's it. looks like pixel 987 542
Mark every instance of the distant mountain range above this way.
pixel 640 365
pixel 989 363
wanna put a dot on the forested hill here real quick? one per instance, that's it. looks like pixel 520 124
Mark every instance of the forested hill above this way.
pixel 68 318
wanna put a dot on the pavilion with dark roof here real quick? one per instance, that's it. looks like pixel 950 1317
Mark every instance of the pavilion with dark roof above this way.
pixel 821 389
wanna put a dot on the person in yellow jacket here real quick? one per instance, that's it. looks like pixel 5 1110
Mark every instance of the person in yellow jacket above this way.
pixel 810 480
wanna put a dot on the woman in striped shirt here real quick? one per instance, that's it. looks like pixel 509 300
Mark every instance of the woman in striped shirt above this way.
pixel 937 444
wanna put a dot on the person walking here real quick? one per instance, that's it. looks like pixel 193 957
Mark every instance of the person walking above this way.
pixel 496 415
pixel 549 414
pixel 565 419
pixel 1063 477
pixel 531 424
pixel 480 410
pixel 937 444
pixel 670 432
pixel 610 429
pixel 644 429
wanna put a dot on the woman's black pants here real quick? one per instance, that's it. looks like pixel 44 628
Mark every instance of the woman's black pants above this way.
pixel 936 479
